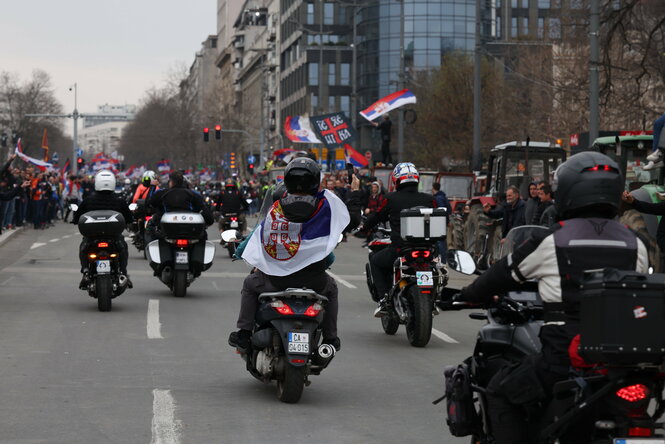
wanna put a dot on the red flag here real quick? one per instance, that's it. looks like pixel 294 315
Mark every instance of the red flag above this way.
pixel 45 145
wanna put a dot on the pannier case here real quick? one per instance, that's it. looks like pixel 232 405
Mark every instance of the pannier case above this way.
pixel 101 223
pixel 183 225
pixel 419 224
pixel 622 317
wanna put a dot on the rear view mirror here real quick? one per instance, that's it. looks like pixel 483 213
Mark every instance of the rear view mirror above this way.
pixel 461 261
pixel 230 235
pixel 73 207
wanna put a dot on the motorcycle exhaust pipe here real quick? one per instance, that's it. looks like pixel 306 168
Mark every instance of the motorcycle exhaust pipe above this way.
pixel 324 354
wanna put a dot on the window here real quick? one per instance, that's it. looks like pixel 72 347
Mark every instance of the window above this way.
pixel 541 27
pixel 332 78
pixel 315 102
pixel 314 74
pixel 544 4
pixel 344 73
pixel 513 27
pixel 555 28
pixel 310 13
pixel 331 104
pixel 345 104
pixel 328 13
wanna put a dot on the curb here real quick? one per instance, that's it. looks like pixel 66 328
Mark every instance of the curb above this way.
pixel 7 234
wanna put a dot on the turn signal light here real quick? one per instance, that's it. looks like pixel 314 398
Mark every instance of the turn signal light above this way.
pixel 420 253
pixel 114 255
pixel 92 256
pixel 313 310
pixel 633 393
pixel 182 242
pixel 281 308
pixel 103 245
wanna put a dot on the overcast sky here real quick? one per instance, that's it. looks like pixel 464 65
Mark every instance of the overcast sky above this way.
pixel 114 50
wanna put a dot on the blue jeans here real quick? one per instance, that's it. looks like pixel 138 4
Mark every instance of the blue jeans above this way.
pixel 9 213
pixel 657 130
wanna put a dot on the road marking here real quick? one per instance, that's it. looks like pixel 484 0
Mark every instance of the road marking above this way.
pixel 444 337
pixel 66 236
pixel 154 327
pixel 54 240
pixel 6 281
pixel 341 281
pixel 165 426
pixel 37 245
pixel 205 275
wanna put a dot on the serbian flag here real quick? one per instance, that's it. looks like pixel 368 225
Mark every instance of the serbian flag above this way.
pixel 354 157
pixel 45 145
pixel 43 166
pixel 65 169
pixel 279 247
pixel 299 130
pixel 281 154
pixel 164 166
pixel 388 103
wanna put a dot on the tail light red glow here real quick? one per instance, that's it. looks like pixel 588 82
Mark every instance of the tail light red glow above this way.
pixel 421 253
pixel 182 242
pixel 639 431
pixel 234 219
pixel 147 218
pixel 298 361
pixel 313 310
pixel 633 393
pixel 282 308
pixel 103 245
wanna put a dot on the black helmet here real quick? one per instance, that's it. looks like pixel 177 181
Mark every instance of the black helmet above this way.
pixel 585 180
pixel 302 175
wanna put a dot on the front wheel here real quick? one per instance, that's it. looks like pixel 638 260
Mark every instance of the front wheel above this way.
pixel 419 324
pixel 179 287
pixel 104 292
pixel 291 384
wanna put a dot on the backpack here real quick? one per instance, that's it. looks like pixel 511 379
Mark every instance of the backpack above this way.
pixel 462 418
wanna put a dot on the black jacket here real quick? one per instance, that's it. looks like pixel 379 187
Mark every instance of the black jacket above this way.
pixel 179 199
pixel 513 216
pixel 407 197
pixel 537 218
pixel 103 200
pixel 231 202
pixel 557 261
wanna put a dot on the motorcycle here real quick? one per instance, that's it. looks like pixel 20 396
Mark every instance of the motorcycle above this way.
pixel 101 228
pixel 180 254
pixel 418 282
pixel 229 221
pixel 607 403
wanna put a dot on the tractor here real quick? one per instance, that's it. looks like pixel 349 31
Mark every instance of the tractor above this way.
pixel 510 164
pixel 645 185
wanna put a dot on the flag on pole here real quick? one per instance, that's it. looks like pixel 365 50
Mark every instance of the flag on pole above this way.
pixel 298 130
pixel 43 166
pixel 45 145
pixel 388 103
pixel 354 157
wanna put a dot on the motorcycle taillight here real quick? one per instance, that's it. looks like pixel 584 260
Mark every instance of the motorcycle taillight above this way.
pixel 633 393
pixel 103 244
pixel 313 310
pixel 182 242
pixel 281 308
pixel 234 219
pixel 639 431
pixel 421 254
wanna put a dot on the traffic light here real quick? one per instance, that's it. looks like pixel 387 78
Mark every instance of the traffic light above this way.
pixel 218 132
pixel 80 162
pixel 250 168
pixel 206 134
pixel 232 161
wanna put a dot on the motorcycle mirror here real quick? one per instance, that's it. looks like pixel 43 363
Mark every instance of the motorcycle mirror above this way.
pixel 73 207
pixel 133 207
pixel 461 261
pixel 230 235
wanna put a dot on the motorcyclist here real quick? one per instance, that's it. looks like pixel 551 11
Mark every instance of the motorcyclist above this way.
pixel 104 198
pixel 405 178
pixel 314 222
pixel 149 184
pixel 230 201
pixel 177 198
pixel 587 190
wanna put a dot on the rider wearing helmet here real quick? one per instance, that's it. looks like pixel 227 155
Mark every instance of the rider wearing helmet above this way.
pixel 587 190
pixel 104 198
pixel 230 201
pixel 307 215
pixel 149 184
pixel 405 179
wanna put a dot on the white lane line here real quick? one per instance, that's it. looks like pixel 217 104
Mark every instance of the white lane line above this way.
pixel 37 245
pixel 66 236
pixel 54 240
pixel 340 280
pixel 444 337
pixel 154 327
pixel 6 281
pixel 214 285
pixel 165 426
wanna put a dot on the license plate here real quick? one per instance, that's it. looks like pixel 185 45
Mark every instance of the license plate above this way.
pixel 424 278
pixel 299 343
pixel 639 441
pixel 181 257
pixel 103 267
pixel 234 224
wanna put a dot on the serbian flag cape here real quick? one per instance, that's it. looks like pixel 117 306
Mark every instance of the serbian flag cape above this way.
pixel 298 130
pixel 43 166
pixel 354 157
pixel 388 103
pixel 279 247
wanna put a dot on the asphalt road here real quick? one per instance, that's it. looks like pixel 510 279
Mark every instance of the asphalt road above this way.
pixel 158 369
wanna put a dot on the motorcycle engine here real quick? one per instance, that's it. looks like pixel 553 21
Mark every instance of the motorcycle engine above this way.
pixel 264 363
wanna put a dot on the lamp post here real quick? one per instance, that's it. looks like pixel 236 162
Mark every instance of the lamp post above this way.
pixel 400 80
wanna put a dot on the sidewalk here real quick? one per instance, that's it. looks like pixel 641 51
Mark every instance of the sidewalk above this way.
pixel 6 234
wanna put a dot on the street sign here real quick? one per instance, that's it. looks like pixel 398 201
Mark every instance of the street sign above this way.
pixel 340 164
pixel 55 157
pixel 251 159
pixel 79 152
pixel 574 139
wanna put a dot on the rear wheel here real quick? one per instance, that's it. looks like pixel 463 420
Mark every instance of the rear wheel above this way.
pixel 291 384
pixel 179 283
pixel 419 324
pixel 104 292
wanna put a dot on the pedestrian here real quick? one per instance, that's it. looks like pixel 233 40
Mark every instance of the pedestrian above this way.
pixel 546 213
pixel 658 143
pixel 441 202
pixel 531 202
pixel 512 211
pixel 385 129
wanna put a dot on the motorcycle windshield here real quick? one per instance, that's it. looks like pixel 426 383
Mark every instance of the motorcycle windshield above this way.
pixel 518 235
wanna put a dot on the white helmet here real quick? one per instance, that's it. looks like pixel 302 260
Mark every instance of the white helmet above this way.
pixel 105 181
pixel 128 182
